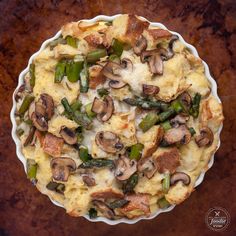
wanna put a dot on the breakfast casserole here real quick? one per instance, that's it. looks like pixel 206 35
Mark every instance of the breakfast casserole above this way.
pixel 116 119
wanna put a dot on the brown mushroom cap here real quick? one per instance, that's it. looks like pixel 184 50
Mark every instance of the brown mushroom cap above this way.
pixel 116 84
pixel 98 106
pixel 180 135
pixel 62 167
pixel 108 141
pixel 68 135
pixel 150 89
pixel 40 109
pixel 108 110
pixel 156 64
pixel 107 194
pixel 154 60
pixel 30 136
pixel 19 94
pixel 103 108
pixel 39 122
pixel 185 100
pixel 47 101
pixel 168 53
pixel 145 55
pixel 141 45
pixel 111 70
pixel 180 176
pixel 104 209
pixel 148 166
pixel 205 138
pixel 127 64
pixel 31 109
pixel 88 180
pixel 178 120
pixel 125 167
pixel 174 37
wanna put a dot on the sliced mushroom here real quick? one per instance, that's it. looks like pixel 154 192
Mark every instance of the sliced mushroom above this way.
pixel 180 176
pixel 47 101
pixel 40 109
pixel 173 39
pixel 39 122
pixel 111 70
pixel 147 166
pixel 108 110
pixel 104 209
pixel 103 108
pixel 145 55
pixel 88 180
pixel 31 109
pixel 154 60
pixel 125 167
pixel 168 53
pixel 62 167
pixel 179 135
pixel 141 45
pixel 19 93
pixel 126 63
pixel 116 84
pixel 150 89
pixel 30 136
pixel 68 135
pixel 107 194
pixel 205 138
pixel 178 120
pixel 185 100
pixel 108 141
pixel 156 64
pixel 98 106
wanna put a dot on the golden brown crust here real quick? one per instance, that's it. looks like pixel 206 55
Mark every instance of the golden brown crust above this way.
pixel 52 145
pixel 96 77
pixel 94 39
pixel 135 28
pixel 153 142
pixel 138 202
pixel 107 194
pixel 158 33
pixel 168 161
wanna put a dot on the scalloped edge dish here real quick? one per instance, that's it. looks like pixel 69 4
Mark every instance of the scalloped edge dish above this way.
pixel 18 144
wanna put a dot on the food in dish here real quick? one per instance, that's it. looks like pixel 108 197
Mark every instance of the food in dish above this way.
pixel 116 119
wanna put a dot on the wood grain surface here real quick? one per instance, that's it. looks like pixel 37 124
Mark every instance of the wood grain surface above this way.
pixel 209 25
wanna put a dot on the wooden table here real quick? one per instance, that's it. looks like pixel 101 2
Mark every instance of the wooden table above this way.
pixel 209 25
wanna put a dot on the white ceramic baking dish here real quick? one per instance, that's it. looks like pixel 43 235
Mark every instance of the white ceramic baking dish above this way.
pixel 18 144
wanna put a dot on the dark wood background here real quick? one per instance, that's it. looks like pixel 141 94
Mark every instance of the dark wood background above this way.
pixel 209 25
